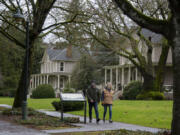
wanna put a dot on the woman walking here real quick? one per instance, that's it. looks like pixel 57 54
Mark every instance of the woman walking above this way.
pixel 107 101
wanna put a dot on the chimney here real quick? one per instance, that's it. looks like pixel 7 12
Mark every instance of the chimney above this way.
pixel 69 51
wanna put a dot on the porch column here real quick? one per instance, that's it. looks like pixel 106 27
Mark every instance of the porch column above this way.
pixel 116 78
pixel 30 84
pixel 58 82
pixel 136 74
pixel 35 81
pixel 56 67
pixel 122 78
pixel 47 79
pixel 62 82
pixel 111 75
pixel 40 79
pixel 47 68
pixel 55 82
pixel 44 79
pixel 129 74
pixel 69 79
pixel 105 80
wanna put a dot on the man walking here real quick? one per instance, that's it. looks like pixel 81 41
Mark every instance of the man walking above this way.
pixel 93 95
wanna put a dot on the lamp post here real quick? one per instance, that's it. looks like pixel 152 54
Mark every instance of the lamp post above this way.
pixel 20 17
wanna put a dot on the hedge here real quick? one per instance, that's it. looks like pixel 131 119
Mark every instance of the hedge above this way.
pixel 132 90
pixel 152 95
pixel 43 91
pixel 68 106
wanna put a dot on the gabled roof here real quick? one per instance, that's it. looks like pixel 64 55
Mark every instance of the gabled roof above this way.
pixel 60 54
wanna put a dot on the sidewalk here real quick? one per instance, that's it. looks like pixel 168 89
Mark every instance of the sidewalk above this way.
pixel 7 128
pixel 10 129
pixel 96 127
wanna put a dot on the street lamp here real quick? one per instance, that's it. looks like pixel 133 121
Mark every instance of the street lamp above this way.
pixel 20 17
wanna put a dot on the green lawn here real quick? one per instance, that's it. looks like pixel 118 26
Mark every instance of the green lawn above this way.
pixel 33 103
pixel 147 113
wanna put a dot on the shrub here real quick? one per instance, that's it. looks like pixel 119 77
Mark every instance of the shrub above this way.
pixel 152 95
pixel 132 90
pixel 68 106
pixel 69 90
pixel 43 91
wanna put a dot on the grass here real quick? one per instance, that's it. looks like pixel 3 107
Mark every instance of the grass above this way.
pixel 156 114
pixel 32 103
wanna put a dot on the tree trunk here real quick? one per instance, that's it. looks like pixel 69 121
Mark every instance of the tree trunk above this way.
pixel 1 79
pixel 176 69
pixel 20 90
pixel 148 82
pixel 159 78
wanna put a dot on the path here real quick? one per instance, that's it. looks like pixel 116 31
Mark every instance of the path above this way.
pixel 20 130
pixel 7 128
pixel 96 127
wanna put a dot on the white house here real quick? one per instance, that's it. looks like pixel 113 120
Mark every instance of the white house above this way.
pixel 56 68
pixel 125 71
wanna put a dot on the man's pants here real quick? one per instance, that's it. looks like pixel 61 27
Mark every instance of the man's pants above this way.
pixel 110 111
pixel 95 105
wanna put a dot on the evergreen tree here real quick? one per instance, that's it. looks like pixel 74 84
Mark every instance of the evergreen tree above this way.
pixel 85 73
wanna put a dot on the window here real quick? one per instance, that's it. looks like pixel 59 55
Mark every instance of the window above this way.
pixel 61 66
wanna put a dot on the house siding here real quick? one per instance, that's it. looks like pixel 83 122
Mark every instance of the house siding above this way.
pixel 50 69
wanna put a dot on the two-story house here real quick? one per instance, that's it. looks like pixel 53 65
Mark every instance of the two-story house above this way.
pixel 125 71
pixel 56 68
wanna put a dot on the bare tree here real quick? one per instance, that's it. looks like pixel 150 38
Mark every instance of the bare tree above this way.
pixel 114 31
pixel 170 29
pixel 39 13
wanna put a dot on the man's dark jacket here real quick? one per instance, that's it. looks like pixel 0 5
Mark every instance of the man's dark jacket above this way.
pixel 93 94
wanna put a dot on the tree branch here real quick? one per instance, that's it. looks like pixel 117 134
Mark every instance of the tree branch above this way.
pixel 158 26
pixel 60 23
pixel 11 38
pixel 33 6
pixel 6 5
pixel 129 56
pixel 8 22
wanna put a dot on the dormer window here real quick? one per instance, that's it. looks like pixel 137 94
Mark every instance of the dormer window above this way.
pixel 61 66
